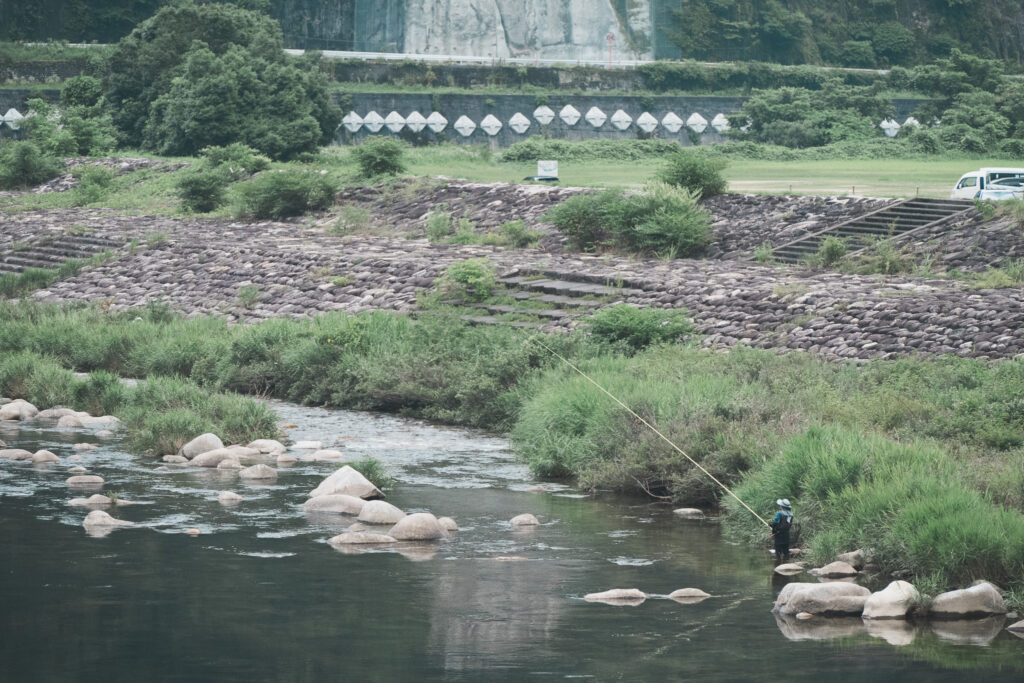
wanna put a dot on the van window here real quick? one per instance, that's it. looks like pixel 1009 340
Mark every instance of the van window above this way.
pixel 968 182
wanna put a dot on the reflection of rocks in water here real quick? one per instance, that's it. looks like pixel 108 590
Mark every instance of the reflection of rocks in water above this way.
pixel 897 632
pixel 488 613
pixel 969 631
pixel 818 628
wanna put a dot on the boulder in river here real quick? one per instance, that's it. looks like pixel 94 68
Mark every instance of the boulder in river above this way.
pixel 307 445
pixel 100 520
pixel 348 481
pixel 70 421
pixel 258 473
pixel 80 447
pixel 84 480
pixel 243 452
pixel 267 446
pixel 360 538
pixel 44 456
pixel 18 409
pixel 175 459
pixel 618 596
pixel 834 570
pixel 104 434
pixel 95 500
pixel 688 596
pixel 980 600
pixel 15 454
pixel 448 524
pixel 892 602
pixel 286 460
pixel 826 599
pixel 211 458
pixel 789 569
pixel 854 558
pixel 327 454
pixel 55 413
pixel 419 526
pixel 335 502
pixel 228 498
pixel 77 469
pixel 689 513
pixel 525 519
pixel 379 512
pixel 229 463
pixel 201 444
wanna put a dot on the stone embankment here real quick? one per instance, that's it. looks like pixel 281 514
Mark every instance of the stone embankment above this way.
pixel 252 271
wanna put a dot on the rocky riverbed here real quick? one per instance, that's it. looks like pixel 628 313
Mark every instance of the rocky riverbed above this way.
pixel 252 271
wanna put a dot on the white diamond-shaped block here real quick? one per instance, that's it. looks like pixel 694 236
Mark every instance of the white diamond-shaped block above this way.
pixel 720 123
pixel 373 122
pixel 890 127
pixel 13 118
pixel 544 115
pixel 465 126
pixel 352 122
pixel 520 123
pixel 646 122
pixel 436 122
pixel 697 123
pixel 596 117
pixel 490 125
pixel 671 122
pixel 570 115
pixel 621 119
pixel 415 122
pixel 395 122
pixel 911 121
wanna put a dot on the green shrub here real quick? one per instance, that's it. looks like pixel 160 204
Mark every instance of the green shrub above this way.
pixel 281 194
pixel 518 235
pixel 699 174
pixel 23 164
pixel 379 156
pixel 639 328
pixel 439 224
pixel 764 253
pixel 236 160
pixel 472 279
pixel 94 183
pixel 831 251
pixel 587 219
pixel 81 91
pixel 536 148
pixel 202 189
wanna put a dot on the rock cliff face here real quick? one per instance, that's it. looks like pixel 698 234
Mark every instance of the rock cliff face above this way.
pixel 543 29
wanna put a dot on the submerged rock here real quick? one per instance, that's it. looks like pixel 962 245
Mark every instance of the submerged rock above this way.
pixel 419 526
pixel 307 446
pixel 348 481
pixel 525 519
pixel 827 599
pixel 689 513
pixel 286 459
pixel 211 458
pixel 892 602
pixel 104 434
pixel 175 459
pixel 77 469
pixel 84 447
pixel 229 498
pixel 360 538
pixel 95 500
pixel 258 473
pixel 335 502
pixel 100 520
pixel 327 454
pixel 980 600
pixel 15 454
pixel 84 480
pixel 618 596
pixel 379 512
pixel 688 596
pixel 448 524
pixel 201 444
pixel 789 569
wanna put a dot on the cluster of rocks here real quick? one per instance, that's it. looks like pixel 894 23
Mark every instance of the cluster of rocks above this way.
pixel 857 608
pixel 19 410
pixel 631 597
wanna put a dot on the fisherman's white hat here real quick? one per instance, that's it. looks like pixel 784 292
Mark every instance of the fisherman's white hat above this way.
pixel 783 503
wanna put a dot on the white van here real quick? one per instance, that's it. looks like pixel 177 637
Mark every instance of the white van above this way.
pixel 990 183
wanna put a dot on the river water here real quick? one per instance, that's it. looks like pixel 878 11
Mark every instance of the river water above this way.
pixel 260 596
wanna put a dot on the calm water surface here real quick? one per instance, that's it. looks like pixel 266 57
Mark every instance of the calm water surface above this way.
pixel 261 596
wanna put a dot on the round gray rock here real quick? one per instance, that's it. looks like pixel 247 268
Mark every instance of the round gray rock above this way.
pixel 335 502
pixel 419 526
pixel 525 519
pixel 258 473
pixel 360 538
pixel 380 512
pixel 84 480
pixel 828 599
pixel 892 602
pixel 201 444
pixel 979 600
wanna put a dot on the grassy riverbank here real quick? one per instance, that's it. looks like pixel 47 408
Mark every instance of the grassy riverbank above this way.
pixel 923 461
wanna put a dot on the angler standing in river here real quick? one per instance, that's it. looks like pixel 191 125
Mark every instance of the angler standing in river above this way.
pixel 780 529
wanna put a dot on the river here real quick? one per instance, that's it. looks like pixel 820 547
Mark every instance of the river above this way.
pixel 260 595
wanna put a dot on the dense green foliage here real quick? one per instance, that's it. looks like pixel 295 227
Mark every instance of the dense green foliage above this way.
pixel 471 280
pixel 71 130
pixel 879 33
pixel 23 164
pixel 284 193
pixel 379 156
pixel 638 328
pixel 698 174
pixel 535 148
pixel 663 220
pixel 197 75
pixel 203 187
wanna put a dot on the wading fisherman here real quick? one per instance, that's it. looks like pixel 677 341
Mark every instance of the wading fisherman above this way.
pixel 780 529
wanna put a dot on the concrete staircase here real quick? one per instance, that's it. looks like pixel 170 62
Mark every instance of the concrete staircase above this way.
pixel 893 221
pixel 52 253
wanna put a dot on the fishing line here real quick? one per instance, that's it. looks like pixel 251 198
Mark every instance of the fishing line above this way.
pixel 652 427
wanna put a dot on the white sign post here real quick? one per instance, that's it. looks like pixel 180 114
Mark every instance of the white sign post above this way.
pixel 547 168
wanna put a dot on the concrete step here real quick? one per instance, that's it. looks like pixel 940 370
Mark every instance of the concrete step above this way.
pixel 567 288
pixel 491 320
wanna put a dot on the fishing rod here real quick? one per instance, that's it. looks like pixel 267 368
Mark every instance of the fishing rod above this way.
pixel 652 427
